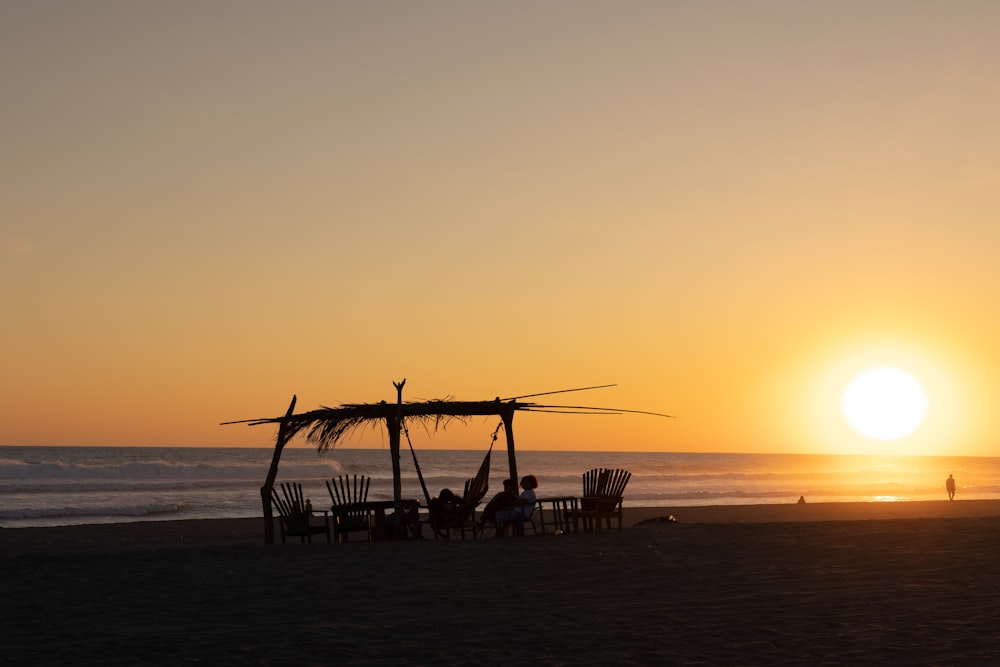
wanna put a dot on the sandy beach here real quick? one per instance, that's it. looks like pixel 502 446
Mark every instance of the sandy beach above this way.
pixel 838 583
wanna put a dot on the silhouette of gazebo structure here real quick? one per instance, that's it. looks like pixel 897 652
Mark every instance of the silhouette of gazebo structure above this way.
pixel 327 426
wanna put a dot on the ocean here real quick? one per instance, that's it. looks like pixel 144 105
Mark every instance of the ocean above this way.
pixel 50 486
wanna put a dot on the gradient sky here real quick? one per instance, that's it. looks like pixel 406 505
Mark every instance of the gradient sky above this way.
pixel 727 208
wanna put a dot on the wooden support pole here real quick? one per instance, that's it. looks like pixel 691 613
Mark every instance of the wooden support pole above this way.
pixel 394 424
pixel 507 416
pixel 265 491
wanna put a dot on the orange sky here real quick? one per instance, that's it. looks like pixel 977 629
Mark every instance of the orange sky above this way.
pixel 728 209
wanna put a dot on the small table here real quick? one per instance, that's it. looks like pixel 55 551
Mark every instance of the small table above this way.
pixel 376 514
pixel 562 508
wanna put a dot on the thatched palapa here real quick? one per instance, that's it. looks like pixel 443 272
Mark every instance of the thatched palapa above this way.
pixel 327 426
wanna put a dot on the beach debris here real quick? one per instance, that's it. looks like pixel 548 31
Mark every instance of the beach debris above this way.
pixel 659 519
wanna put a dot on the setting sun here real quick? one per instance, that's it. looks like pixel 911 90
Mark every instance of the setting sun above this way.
pixel 884 403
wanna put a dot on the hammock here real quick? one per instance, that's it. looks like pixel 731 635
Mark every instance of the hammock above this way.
pixel 477 485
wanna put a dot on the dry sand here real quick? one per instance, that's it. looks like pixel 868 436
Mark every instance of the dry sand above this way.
pixel 840 583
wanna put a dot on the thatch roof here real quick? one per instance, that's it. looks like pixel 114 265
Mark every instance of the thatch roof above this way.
pixel 327 426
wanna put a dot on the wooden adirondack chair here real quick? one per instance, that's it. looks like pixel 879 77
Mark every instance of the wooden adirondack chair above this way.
pixel 294 520
pixel 349 514
pixel 602 498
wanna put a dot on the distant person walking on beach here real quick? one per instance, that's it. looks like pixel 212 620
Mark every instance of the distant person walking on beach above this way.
pixel 950 485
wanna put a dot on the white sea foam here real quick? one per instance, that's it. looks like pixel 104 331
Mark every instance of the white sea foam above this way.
pixel 90 475
pixel 83 512
pixel 61 485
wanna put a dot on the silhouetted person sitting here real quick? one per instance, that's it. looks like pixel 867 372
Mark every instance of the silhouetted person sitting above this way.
pixel 411 518
pixel 950 485
pixel 444 509
pixel 522 509
pixel 501 501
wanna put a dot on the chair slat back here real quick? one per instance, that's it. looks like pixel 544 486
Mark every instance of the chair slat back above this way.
pixel 291 505
pixel 279 503
pixel 291 502
pixel 605 482
pixel 590 479
pixel 293 492
pixel 616 483
pixel 602 483
pixel 347 490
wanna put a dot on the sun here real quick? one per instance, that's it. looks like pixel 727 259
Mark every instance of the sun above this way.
pixel 884 403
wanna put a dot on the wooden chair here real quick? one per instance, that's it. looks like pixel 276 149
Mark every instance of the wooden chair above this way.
pixel 515 527
pixel 348 494
pixel 602 498
pixel 294 517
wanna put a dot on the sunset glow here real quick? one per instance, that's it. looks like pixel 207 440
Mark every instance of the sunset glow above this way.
pixel 728 211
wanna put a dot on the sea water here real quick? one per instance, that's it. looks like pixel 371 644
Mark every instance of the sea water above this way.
pixel 47 486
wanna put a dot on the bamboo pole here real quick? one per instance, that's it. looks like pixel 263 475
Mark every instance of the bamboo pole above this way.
pixel 265 491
